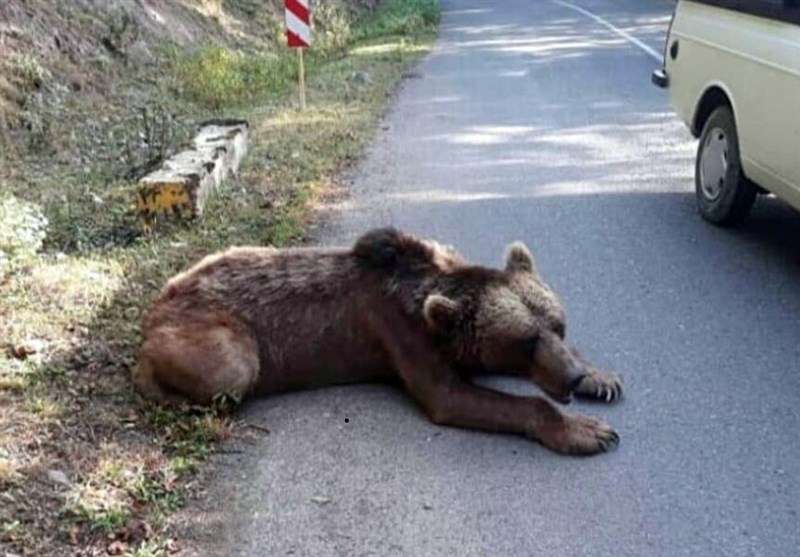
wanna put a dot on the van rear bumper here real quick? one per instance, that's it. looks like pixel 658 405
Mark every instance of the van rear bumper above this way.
pixel 660 78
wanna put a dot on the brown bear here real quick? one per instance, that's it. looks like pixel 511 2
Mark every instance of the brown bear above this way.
pixel 253 321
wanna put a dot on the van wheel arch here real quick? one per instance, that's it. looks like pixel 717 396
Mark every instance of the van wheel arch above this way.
pixel 712 99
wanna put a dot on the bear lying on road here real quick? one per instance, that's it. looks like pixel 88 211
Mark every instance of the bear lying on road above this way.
pixel 262 320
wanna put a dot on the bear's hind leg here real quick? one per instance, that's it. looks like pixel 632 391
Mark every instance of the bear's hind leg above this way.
pixel 198 361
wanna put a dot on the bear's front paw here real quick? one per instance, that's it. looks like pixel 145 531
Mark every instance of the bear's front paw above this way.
pixel 605 387
pixel 579 435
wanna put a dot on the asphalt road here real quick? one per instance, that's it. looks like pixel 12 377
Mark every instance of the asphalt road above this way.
pixel 533 121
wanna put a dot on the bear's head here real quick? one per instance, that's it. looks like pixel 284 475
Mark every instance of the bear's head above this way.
pixel 504 321
pixel 497 321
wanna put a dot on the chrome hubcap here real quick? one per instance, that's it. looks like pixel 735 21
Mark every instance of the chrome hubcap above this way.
pixel 714 164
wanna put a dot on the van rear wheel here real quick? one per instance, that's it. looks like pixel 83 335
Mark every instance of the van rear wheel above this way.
pixel 724 195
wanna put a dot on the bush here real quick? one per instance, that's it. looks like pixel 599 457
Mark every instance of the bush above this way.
pixel 30 74
pixel 406 17
pixel 23 228
pixel 332 29
pixel 218 77
pixel 123 31
pixel 212 77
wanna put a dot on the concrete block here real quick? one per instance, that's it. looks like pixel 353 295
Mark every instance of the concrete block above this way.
pixel 184 182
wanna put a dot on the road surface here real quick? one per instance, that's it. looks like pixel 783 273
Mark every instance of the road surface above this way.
pixel 535 120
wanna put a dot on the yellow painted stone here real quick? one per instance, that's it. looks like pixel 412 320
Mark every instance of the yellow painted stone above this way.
pixel 168 198
pixel 184 182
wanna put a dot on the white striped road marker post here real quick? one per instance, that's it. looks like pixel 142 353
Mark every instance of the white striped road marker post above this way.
pixel 298 35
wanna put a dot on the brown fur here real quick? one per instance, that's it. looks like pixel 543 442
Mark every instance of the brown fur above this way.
pixel 259 320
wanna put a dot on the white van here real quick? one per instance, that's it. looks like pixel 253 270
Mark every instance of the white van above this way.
pixel 733 71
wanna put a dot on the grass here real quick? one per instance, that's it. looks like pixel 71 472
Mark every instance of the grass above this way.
pixel 400 18
pixel 69 312
pixel 218 77
pixel 148 549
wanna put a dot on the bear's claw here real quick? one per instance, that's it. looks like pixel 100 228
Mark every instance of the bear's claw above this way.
pixel 591 436
pixel 580 435
pixel 605 387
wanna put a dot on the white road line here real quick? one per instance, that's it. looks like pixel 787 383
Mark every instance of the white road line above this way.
pixel 624 34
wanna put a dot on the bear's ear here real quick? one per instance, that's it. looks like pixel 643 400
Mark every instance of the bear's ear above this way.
pixel 379 248
pixel 441 313
pixel 519 259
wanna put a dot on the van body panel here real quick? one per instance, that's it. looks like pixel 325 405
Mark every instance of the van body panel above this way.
pixel 756 62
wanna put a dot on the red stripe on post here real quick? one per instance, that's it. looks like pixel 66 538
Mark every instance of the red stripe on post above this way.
pixel 294 40
pixel 299 10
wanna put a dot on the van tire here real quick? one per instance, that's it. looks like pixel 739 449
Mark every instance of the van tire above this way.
pixel 724 194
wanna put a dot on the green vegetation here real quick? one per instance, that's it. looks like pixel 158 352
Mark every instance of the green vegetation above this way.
pixel 217 77
pixel 411 17
pixel 23 228
pixel 29 71
pixel 80 271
